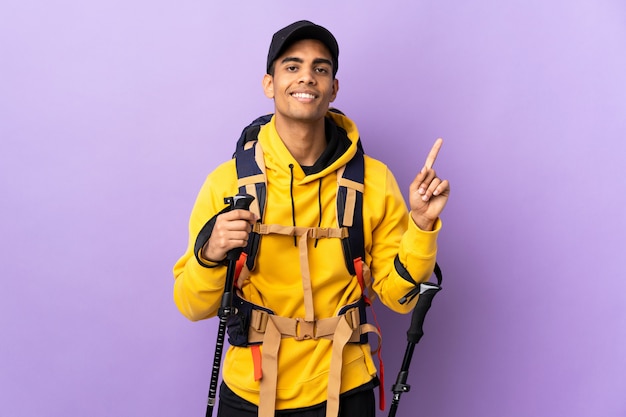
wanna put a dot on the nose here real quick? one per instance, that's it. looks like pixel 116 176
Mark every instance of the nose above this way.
pixel 307 77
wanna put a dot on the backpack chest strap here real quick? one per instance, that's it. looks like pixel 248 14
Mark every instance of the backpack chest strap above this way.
pixel 308 232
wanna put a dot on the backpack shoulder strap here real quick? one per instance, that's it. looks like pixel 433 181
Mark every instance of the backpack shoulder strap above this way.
pixel 350 208
pixel 251 178
pixel 251 175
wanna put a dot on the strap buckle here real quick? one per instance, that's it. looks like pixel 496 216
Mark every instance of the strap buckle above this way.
pixel 353 318
pixel 305 330
pixel 258 320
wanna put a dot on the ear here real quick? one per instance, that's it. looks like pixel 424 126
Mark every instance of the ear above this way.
pixel 268 86
pixel 335 90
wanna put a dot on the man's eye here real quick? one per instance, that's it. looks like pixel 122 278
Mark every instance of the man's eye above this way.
pixel 292 68
pixel 321 70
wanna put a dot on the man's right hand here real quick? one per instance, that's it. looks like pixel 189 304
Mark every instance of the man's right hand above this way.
pixel 231 231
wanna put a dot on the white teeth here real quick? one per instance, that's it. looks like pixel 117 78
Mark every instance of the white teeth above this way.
pixel 303 95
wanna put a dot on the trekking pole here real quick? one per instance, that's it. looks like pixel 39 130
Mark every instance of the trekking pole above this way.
pixel 240 201
pixel 427 291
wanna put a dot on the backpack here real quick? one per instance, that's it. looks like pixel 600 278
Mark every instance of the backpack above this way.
pixel 252 181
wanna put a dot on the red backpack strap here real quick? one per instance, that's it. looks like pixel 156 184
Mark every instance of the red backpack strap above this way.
pixel 358 269
pixel 239 266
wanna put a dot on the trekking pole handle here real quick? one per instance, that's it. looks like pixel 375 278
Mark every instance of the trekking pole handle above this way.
pixel 427 293
pixel 238 202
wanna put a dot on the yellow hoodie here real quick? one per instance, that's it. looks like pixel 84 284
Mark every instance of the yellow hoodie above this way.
pixel 276 281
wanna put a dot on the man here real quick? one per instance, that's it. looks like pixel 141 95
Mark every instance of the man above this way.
pixel 299 281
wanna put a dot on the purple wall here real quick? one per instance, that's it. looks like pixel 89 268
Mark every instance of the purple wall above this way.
pixel 112 113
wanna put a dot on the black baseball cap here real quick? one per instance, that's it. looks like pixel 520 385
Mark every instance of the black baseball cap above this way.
pixel 298 31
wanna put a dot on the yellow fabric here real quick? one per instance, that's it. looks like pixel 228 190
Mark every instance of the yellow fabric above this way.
pixel 276 282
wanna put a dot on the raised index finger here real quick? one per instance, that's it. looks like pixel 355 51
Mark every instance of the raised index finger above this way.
pixel 432 155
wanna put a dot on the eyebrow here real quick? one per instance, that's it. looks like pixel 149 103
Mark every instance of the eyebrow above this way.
pixel 301 61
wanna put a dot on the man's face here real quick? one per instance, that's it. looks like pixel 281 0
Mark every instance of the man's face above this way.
pixel 303 85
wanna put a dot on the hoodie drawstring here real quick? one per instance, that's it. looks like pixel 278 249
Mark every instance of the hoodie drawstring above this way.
pixel 293 204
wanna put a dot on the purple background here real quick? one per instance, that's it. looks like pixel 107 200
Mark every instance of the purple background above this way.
pixel 112 113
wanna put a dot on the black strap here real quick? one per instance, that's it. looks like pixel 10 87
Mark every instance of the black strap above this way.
pixel 419 288
pixel 203 238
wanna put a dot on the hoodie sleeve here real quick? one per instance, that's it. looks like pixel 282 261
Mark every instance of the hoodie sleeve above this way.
pixel 395 234
pixel 199 283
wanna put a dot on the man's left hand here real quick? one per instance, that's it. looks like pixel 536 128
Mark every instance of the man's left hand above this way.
pixel 428 193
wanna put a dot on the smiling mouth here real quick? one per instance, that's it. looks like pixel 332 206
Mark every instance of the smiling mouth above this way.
pixel 305 96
